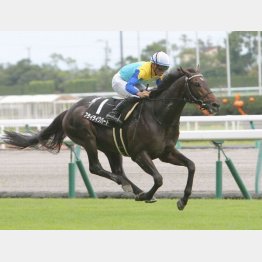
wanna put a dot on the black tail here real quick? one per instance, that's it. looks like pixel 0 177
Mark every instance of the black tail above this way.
pixel 50 138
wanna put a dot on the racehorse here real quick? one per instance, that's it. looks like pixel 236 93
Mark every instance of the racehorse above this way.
pixel 150 132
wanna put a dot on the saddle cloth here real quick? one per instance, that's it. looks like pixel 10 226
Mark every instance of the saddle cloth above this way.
pixel 100 106
pixel 98 109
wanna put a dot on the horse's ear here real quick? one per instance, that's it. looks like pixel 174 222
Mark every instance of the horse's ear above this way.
pixel 185 72
pixel 198 68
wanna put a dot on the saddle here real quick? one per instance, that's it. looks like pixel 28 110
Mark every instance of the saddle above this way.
pixel 100 106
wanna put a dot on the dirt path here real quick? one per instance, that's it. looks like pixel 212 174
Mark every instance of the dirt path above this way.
pixel 40 173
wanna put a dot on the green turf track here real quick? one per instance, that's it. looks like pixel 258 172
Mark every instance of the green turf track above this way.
pixel 127 214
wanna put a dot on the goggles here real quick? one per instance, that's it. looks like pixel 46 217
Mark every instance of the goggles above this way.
pixel 162 68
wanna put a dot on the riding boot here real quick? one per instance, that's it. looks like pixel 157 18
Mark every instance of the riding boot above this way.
pixel 114 115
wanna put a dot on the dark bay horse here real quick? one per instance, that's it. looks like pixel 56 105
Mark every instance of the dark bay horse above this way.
pixel 150 133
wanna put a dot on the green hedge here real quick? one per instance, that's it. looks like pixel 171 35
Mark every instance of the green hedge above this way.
pixel 80 86
pixel 11 90
pixel 40 87
pixel 236 81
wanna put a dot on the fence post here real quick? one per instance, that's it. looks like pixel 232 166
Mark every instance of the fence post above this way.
pixel 218 170
pixel 258 169
pixel 81 168
pixel 219 179
pixel 71 177
pixel 253 127
pixel 71 173
pixel 237 178
pixel 233 171
pixel 85 178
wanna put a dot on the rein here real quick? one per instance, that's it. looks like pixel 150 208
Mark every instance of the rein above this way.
pixel 191 99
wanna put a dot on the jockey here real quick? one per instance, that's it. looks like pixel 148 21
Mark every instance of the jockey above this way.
pixel 129 82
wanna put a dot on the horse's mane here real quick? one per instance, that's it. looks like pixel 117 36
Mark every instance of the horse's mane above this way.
pixel 168 80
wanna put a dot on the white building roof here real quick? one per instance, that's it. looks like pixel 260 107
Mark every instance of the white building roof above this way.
pixel 32 98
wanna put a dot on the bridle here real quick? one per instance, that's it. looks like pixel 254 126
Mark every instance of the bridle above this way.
pixel 192 99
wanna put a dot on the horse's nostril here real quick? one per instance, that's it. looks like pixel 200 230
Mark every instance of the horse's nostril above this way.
pixel 215 105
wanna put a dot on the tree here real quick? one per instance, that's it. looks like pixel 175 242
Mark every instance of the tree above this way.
pixel 58 60
pixel 127 60
pixel 243 51
pixel 103 78
pixel 62 74
pixel 149 50
pixel 22 73
pixel 185 40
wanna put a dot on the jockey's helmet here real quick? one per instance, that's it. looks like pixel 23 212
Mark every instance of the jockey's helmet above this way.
pixel 160 58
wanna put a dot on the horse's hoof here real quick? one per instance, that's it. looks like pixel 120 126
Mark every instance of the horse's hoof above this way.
pixel 140 197
pixel 152 200
pixel 180 204
pixel 127 188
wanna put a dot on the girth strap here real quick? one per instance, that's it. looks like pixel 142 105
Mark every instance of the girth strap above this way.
pixel 118 134
pixel 119 141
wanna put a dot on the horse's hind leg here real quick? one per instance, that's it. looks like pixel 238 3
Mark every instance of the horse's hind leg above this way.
pixel 84 134
pixel 95 167
pixel 116 164
pixel 176 158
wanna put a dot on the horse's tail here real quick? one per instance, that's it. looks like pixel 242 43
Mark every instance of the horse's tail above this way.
pixel 50 138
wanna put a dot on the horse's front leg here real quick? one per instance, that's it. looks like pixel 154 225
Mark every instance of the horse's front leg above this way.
pixel 174 157
pixel 116 164
pixel 146 163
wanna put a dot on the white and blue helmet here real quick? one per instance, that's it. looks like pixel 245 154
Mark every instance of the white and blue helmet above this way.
pixel 160 58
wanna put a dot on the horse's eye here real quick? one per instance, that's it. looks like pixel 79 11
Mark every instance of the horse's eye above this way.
pixel 197 84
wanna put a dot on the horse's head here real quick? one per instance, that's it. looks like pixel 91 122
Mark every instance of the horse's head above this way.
pixel 198 92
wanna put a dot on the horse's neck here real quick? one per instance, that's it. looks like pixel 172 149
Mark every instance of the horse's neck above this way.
pixel 169 106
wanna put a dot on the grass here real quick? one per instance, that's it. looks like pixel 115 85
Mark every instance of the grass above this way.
pixel 126 214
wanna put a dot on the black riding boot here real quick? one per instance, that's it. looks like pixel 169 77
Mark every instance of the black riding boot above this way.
pixel 114 115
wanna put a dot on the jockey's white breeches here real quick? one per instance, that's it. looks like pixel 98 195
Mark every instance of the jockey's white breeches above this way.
pixel 119 86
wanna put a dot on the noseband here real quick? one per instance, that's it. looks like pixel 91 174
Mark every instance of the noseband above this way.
pixel 192 98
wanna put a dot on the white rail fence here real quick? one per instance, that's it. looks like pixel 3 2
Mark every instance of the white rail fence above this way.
pixel 231 128
pixel 192 127
pixel 188 123
pixel 233 122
